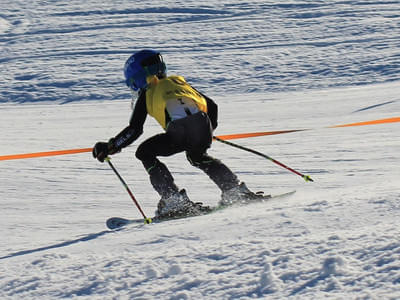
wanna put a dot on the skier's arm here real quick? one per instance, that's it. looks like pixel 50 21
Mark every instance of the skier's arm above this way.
pixel 127 136
pixel 135 128
pixel 212 111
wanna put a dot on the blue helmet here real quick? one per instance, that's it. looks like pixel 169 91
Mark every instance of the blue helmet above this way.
pixel 141 65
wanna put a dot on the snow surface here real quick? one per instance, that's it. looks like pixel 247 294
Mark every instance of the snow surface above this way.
pixel 270 65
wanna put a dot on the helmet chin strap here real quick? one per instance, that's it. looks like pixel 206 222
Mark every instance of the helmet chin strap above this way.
pixel 135 95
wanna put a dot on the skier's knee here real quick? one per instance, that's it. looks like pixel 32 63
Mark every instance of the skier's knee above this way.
pixel 194 159
pixel 199 159
pixel 142 154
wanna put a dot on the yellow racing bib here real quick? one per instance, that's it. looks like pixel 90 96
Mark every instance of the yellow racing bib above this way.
pixel 172 87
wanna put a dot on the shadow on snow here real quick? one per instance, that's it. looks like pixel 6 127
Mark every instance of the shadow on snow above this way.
pixel 85 238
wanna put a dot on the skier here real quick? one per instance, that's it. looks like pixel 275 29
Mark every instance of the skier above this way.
pixel 188 118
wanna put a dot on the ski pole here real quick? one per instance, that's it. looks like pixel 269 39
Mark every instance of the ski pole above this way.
pixel 146 219
pixel 305 177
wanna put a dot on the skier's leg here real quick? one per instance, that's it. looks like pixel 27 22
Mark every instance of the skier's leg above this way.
pixel 233 191
pixel 218 172
pixel 173 202
pixel 160 177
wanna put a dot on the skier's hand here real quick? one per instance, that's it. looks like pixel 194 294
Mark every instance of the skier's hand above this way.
pixel 100 151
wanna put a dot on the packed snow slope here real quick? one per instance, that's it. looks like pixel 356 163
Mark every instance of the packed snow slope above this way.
pixel 271 65
pixel 73 51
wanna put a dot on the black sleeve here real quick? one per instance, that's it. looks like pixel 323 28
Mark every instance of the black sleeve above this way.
pixel 135 128
pixel 212 111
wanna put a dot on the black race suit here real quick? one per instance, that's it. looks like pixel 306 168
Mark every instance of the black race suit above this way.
pixel 192 134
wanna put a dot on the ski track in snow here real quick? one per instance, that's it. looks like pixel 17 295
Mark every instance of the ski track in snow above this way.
pixel 73 52
pixel 270 66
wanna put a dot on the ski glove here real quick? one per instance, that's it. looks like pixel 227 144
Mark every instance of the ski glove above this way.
pixel 101 150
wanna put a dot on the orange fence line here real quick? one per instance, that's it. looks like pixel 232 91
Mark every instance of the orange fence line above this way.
pixel 254 134
pixel 381 121
pixel 222 137
pixel 42 154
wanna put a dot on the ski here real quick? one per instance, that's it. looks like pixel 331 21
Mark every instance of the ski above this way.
pixel 114 223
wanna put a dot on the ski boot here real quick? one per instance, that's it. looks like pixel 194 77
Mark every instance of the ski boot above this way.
pixel 240 194
pixel 178 205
